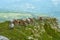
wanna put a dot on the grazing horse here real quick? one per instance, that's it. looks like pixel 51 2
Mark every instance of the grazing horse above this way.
pixel 40 18
pixel 16 22
pixel 19 22
pixel 23 22
pixel 29 21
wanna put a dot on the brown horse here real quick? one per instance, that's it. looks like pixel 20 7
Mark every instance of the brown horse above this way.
pixel 40 18
pixel 22 22
pixel 19 22
pixel 16 22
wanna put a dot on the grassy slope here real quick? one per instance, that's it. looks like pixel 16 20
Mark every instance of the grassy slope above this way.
pixel 23 33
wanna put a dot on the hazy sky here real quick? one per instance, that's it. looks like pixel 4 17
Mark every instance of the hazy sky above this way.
pixel 44 6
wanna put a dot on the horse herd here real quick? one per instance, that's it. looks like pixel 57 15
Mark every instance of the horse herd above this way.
pixel 21 22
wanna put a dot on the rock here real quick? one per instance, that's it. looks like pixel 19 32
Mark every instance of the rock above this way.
pixel 3 38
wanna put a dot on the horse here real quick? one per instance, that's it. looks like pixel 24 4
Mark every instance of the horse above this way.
pixel 30 21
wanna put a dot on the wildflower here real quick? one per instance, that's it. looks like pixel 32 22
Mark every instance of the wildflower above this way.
pixel 30 37
pixel 35 39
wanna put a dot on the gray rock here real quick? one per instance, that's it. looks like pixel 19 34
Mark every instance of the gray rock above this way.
pixel 3 38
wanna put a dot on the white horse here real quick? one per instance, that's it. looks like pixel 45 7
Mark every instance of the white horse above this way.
pixel 11 25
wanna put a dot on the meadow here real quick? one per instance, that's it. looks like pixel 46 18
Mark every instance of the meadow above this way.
pixel 42 30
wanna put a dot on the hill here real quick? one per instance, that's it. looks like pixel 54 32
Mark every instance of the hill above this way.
pixel 43 30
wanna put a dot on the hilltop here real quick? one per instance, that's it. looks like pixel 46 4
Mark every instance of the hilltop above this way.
pixel 44 30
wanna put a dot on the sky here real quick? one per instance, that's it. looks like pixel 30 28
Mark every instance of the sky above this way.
pixel 44 7
pixel 50 7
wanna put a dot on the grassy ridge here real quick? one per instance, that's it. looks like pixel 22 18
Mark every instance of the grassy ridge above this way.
pixel 42 31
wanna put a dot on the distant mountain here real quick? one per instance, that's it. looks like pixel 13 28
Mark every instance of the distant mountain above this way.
pixel 9 16
pixel 22 14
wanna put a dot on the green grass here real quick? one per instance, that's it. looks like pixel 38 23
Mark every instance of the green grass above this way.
pixel 43 32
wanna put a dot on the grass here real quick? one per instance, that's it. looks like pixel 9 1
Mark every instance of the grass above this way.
pixel 30 32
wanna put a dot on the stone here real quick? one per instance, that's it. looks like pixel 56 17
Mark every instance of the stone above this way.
pixel 3 38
